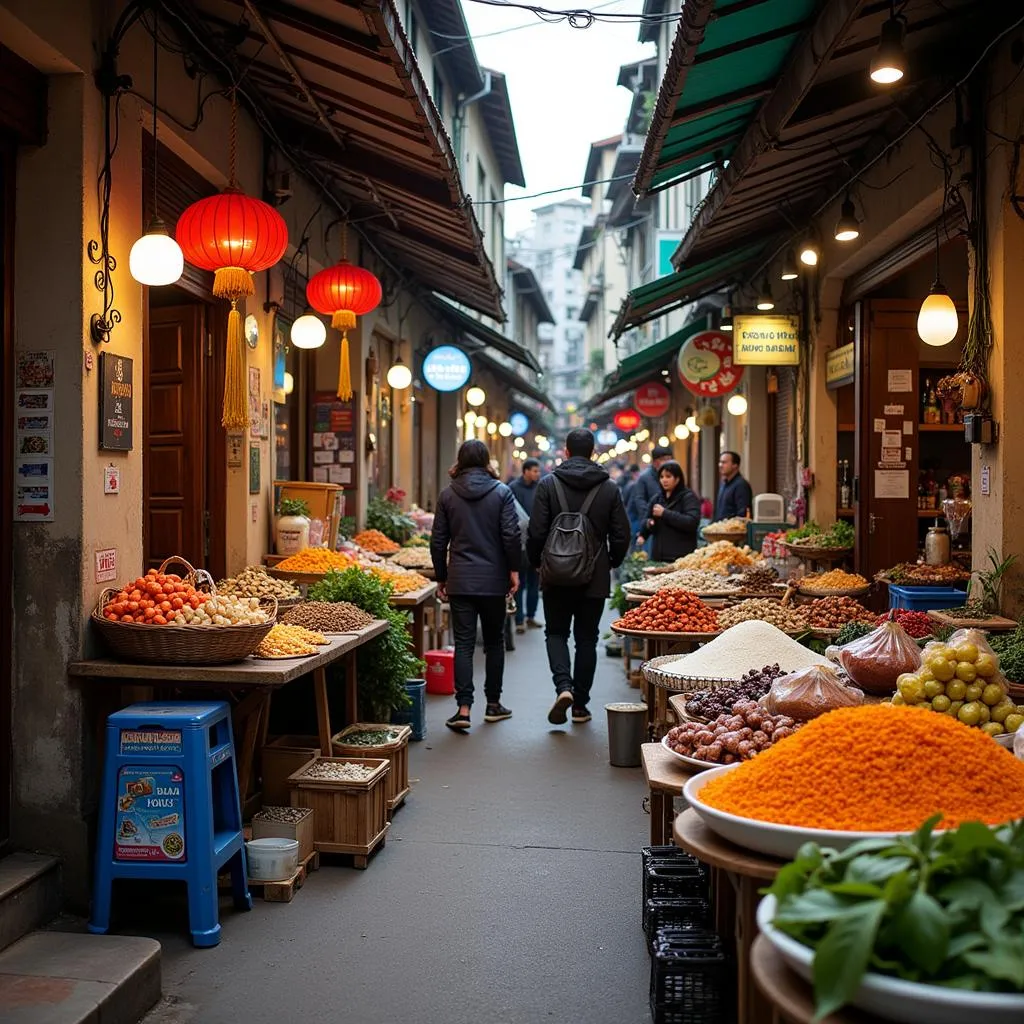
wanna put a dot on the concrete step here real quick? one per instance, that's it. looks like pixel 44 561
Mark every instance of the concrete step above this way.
pixel 70 978
pixel 29 894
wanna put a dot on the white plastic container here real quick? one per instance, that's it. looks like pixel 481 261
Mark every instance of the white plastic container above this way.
pixel 272 860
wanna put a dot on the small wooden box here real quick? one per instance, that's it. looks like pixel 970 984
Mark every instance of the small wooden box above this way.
pixel 304 830
pixel 349 817
pixel 279 759
pixel 396 752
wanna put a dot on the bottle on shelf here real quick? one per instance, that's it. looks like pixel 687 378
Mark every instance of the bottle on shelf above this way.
pixel 924 399
pixel 932 411
pixel 845 497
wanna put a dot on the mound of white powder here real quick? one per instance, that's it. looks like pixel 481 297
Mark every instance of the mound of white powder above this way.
pixel 745 647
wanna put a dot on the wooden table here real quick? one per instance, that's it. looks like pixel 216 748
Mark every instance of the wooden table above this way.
pixel 666 775
pixel 416 602
pixel 251 715
pixel 791 998
pixel 736 877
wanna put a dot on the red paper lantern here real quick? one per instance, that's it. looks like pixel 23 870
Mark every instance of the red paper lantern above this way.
pixel 344 292
pixel 627 420
pixel 233 235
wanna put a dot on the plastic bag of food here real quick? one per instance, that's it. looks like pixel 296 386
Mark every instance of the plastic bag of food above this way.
pixel 972 636
pixel 876 661
pixel 1018 744
pixel 810 692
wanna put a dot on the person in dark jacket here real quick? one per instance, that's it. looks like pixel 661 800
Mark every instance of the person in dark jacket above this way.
pixel 476 548
pixel 735 497
pixel 524 489
pixel 646 488
pixel 673 517
pixel 577 610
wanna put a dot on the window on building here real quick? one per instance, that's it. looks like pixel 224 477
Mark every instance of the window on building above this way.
pixel 481 179
pixel 571 312
pixel 411 27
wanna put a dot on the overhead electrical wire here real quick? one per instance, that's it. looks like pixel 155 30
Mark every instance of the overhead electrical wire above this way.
pixel 583 17
pixel 548 192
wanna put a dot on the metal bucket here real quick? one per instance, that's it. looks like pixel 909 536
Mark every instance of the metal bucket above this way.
pixel 627 730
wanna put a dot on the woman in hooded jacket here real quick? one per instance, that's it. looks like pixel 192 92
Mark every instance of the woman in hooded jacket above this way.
pixel 476 548
pixel 673 517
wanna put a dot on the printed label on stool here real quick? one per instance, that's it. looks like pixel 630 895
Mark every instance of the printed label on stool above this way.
pixel 151 741
pixel 150 820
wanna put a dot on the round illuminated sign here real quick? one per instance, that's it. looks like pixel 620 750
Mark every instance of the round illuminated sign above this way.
pixel 627 420
pixel 520 423
pixel 606 437
pixel 446 368
pixel 706 365
pixel 652 399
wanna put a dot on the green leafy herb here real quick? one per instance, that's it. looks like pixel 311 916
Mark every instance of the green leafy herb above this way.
pixel 944 909
pixel 991 580
pixel 388 517
pixel 293 507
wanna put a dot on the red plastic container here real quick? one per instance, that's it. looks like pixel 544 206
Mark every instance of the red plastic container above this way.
pixel 440 672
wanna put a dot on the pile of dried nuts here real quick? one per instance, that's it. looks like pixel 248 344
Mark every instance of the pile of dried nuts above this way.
pixel 337 771
pixel 731 737
pixel 761 580
pixel 836 612
pixel 761 609
pixel 254 582
pixel 709 704
pixel 328 617
pixel 283 815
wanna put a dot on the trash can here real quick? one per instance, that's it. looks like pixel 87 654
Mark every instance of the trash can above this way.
pixel 627 730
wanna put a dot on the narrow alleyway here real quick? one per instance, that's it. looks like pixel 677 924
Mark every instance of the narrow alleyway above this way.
pixel 508 890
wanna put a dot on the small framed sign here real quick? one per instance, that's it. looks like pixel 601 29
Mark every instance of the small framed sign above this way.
pixel 254 469
pixel 116 397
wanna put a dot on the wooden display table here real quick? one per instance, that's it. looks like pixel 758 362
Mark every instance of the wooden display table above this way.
pixel 791 998
pixel 251 713
pixel 416 602
pixel 666 775
pixel 736 878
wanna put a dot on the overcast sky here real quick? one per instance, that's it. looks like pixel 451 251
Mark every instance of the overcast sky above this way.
pixel 561 82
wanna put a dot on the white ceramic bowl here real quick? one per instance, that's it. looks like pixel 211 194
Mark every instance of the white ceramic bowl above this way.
pixel 782 841
pixel 907 1002
pixel 272 860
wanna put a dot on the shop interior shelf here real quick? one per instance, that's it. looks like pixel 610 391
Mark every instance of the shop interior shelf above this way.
pixel 941 428
pixel 847 428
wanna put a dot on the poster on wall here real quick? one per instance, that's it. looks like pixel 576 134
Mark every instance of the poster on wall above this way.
pixel 116 398
pixel 255 403
pixel 34 436
pixel 333 457
pixel 254 468
pixel 706 365
pixel 280 363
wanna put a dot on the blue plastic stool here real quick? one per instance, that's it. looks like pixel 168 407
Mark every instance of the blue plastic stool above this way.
pixel 170 809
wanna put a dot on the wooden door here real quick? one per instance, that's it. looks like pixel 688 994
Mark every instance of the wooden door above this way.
pixel 175 436
pixel 887 527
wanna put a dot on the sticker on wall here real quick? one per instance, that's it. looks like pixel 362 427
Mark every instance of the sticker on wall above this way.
pixel 900 381
pixel 106 565
pixel 34 435
pixel 255 403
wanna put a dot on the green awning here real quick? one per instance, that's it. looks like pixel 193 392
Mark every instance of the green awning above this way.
pixel 725 60
pixel 640 367
pixel 686 285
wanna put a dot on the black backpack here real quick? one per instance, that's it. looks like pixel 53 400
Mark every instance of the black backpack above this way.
pixel 572 545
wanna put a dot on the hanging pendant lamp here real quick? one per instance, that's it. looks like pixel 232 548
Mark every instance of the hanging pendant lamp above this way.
pixel 235 236
pixel 344 292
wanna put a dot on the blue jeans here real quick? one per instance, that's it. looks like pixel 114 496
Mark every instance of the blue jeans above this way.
pixel 528 592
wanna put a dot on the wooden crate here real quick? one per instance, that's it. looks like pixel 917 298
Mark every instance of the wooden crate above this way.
pixel 396 751
pixel 280 758
pixel 303 831
pixel 349 817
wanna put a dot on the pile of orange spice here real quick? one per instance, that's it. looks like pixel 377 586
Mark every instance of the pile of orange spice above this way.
pixel 875 768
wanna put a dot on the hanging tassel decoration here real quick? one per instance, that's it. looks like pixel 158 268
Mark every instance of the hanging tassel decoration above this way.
pixel 234 283
pixel 344 370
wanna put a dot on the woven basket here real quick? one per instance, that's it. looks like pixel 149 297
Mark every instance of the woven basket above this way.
pixel 737 537
pixel 182 645
pixel 816 554
pixel 681 684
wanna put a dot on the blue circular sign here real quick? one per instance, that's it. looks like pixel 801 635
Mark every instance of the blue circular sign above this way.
pixel 446 368
pixel 519 423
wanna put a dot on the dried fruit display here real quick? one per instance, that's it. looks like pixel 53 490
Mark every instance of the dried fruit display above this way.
pixel 254 582
pixel 738 736
pixel 375 541
pixel 761 609
pixel 671 611
pixel 836 612
pixel 315 560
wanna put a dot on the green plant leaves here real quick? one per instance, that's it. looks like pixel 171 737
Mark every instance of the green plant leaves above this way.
pixel 922 929
pixel 843 955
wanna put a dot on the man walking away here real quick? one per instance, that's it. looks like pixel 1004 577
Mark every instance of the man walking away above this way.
pixel 735 498
pixel 528 595
pixel 578 533
pixel 645 490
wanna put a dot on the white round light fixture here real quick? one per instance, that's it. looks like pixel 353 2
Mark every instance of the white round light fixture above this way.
pixel 663 441
pixel 692 425
pixel 681 433
pixel 937 322
pixel 308 331
pixel 737 404
pixel 289 383
pixel 156 259
pixel 505 429
pixel 492 428
pixel 476 396
pixel 399 375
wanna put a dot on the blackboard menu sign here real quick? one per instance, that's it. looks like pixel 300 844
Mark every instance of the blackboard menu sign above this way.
pixel 116 395
pixel 333 453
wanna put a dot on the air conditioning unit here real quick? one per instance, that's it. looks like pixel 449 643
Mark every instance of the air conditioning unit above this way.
pixel 769 508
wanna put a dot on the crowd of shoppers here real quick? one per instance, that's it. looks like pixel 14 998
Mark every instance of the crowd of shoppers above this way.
pixel 583 522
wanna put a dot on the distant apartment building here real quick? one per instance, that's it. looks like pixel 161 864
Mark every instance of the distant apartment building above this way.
pixel 548 248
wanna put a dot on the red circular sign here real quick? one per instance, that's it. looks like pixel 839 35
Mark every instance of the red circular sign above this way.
pixel 706 365
pixel 652 399
pixel 627 420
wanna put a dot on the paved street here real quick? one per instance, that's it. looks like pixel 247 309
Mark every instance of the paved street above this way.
pixel 508 890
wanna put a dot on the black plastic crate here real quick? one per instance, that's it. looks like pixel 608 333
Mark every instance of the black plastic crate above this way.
pixel 691 978
pixel 670 852
pixel 673 880
pixel 683 914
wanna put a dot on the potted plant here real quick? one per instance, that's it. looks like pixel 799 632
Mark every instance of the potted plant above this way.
pixel 291 528
pixel 385 514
